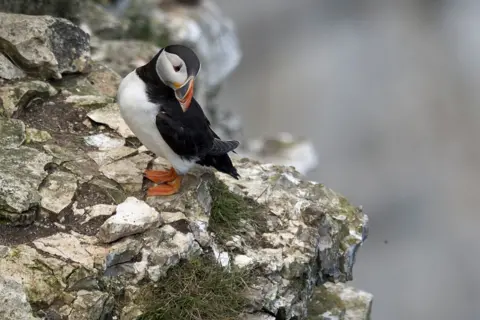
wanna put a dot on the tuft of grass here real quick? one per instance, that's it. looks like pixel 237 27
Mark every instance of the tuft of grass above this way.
pixel 199 289
pixel 232 213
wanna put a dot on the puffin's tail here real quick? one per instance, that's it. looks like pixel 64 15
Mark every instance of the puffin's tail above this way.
pixel 218 157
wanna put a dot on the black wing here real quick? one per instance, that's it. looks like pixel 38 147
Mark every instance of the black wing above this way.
pixel 189 133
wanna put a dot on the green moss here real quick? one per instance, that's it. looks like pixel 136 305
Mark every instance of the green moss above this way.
pixel 324 301
pixel 232 214
pixel 346 205
pixel 14 253
pixel 198 289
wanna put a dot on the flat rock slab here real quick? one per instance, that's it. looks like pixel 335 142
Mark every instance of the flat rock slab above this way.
pixel 110 115
pixel 66 246
pixel 104 142
pixel 45 46
pixel 12 132
pixel 128 172
pixel 103 158
pixel 58 190
pixel 132 216
pixel 21 172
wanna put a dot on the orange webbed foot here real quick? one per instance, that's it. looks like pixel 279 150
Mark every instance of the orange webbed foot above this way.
pixel 165 189
pixel 163 176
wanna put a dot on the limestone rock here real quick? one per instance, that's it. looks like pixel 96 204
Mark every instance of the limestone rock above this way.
pixel 98 210
pixel 14 300
pixel 42 278
pixel 17 95
pixel 103 158
pixel 84 168
pixel 122 251
pixel 104 142
pixel 132 216
pixel 66 246
pixel 101 189
pixel 110 115
pixel 123 56
pixel 12 132
pixel 128 171
pixel 310 233
pixel 105 80
pixel 35 135
pixel 58 190
pixel 257 316
pixel 84 100
pixel 91 305
pixel 166 247
pixel 45 46
pixel 4 250
pixel 98 86
pixel 169 217
pixel 21 172
pixel 8 70
pixel 339 301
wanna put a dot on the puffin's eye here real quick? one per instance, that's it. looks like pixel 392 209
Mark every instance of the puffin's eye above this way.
pixel 177 68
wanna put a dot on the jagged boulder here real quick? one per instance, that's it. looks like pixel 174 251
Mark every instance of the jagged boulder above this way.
pixel 41 46
pixel 293 233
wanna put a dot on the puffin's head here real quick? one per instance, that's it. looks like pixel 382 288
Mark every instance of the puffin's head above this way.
pixel 177 66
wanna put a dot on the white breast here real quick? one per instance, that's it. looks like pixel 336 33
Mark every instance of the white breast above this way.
pixel 140 114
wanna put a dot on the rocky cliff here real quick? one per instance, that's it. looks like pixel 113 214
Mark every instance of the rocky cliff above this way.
pixel 79 239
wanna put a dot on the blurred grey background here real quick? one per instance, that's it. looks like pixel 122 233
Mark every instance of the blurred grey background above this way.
pixel 389 92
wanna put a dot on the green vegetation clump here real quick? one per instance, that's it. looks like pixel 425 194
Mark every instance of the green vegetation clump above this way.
pixel 199 289
pixel 324 301
pixel 232 213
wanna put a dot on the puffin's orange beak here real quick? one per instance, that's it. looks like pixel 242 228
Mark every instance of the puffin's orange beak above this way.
pixel 184 94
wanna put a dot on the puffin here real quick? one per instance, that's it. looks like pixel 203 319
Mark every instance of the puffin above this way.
pixel 157 103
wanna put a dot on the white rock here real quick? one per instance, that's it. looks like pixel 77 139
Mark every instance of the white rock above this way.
pixel 128 171
pixel 200 232
pixel 58 190
pixel 66 246
pixel 223 259
pixel 132 216
pixel 87 100
pixel 257 316
pixel 104 142
pixel 169 217
pixel 106 157
pixel 110 115
pixel 99 210
pixel 242 261
pixel 142 149
pixel 166 247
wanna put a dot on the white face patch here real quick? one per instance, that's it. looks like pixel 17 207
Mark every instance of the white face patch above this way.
pixel 171 69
